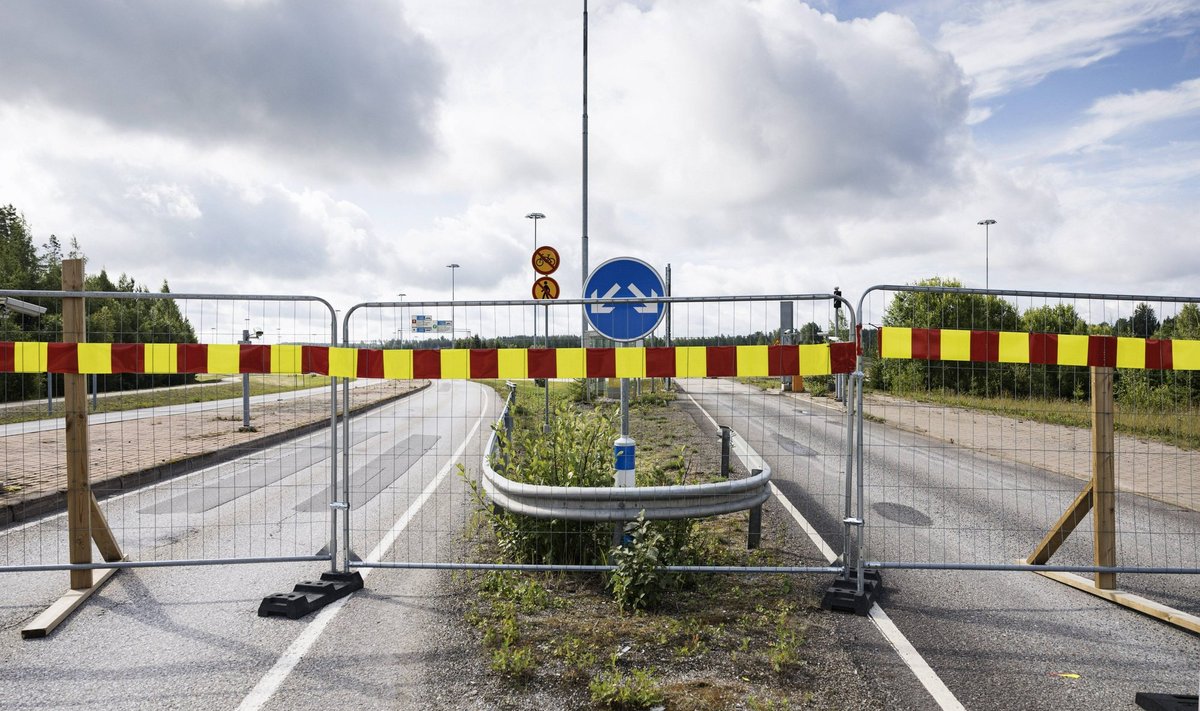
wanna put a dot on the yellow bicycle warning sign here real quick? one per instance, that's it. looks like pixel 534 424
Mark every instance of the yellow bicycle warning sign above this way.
pixel 545 260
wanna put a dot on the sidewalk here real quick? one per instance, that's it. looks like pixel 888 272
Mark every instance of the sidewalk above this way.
pixel 33 467
pixel 1156 470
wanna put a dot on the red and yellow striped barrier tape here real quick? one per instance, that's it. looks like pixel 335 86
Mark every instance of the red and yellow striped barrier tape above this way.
pixel 509 363
pixel 1038 348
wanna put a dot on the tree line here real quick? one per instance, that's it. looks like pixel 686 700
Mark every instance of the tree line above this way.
pixel 990 313
pixel 26 267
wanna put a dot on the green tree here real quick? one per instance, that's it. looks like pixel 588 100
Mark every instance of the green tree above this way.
pixel 947 310
pixel 809 334
pixel 18 259
pixel 1053 381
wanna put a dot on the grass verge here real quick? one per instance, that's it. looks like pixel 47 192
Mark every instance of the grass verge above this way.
pixel 638 638
pixel 205 391
pixel 1180 428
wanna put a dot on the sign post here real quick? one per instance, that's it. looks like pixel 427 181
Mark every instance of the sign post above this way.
pixel 545 262
pixel 626 321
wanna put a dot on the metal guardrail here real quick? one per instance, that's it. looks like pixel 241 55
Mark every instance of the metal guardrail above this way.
pixel 601 503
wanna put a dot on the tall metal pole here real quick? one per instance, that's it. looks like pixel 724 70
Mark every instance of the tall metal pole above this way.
pixel 402 295
pixel 453 325
pixel 669 343
pixel 584 276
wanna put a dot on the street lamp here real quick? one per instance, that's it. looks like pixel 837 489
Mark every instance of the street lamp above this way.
pixel 400 331
pixel 986 266
pixel 535 216
pixel 452 267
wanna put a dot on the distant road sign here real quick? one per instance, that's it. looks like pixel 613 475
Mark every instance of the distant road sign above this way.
pixel 545 260
pixel 545 288
pixel 624 277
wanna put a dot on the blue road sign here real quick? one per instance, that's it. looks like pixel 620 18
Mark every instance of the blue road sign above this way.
pixel 623 278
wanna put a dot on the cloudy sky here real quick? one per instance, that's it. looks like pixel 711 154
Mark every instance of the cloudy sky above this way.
pixel 352 150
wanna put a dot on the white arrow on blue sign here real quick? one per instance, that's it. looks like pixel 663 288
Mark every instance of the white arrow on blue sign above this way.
pixel 622 278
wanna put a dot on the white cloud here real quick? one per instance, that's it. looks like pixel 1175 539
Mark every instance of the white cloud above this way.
pixel 758 147
pixel 331 84
pixel 1112 116
pixel 1004 46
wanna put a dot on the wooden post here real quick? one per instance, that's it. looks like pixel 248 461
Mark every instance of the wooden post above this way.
pixel 1104 501
pixel 79 494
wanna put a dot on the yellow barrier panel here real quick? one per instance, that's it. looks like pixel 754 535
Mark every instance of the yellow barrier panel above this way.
pixel 815 360
pixel 691 362
pixel 896 342
pixel 343 362
pixel 398 365
pixel 162 358
pixel 456 365
pixel 30 357
pixel 1014 347
pixel 752 361
pixel 1072 350
pixel 1185 355
pixel 286 359
pixel 224 359
pixel 1131 353
pixel 571 362
pixel 956 345
pixel 631 362
pixel 512 363
pixel 94 358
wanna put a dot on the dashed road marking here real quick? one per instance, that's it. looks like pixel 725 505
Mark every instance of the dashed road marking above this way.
pixel 274 678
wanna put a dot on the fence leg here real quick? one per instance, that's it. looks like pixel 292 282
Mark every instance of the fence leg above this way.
pixel 754 536
pixel 725 437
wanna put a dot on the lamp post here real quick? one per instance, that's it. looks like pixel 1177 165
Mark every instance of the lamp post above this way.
pixel 400 331
pixel 453 326
pixel 535 216
pixel 986 258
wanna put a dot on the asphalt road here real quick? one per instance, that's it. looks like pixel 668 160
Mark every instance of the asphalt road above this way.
pixel 190 637
pixel 998 640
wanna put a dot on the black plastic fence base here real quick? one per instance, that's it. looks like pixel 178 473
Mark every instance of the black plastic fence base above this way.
pixel 310 595
pixel 843 595
pixel 1165 702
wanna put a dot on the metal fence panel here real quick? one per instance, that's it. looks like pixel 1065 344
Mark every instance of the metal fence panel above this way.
pixel 978 438
pixel 716 361
pixel 206 441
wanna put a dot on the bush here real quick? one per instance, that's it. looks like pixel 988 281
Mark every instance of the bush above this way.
pixel 576 452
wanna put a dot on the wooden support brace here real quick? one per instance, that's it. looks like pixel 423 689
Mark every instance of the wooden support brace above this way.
pixel 52 616
pixel 1063 527
pixel 103 535
pixel 1170 615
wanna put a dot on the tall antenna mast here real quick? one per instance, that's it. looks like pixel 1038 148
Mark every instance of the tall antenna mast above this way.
pixel 583 278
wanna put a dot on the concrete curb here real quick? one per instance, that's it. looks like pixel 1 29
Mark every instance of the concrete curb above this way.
pixel 54 502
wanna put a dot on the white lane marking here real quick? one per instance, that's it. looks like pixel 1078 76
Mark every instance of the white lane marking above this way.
pixel 273 679
pixel 813 536
pixel 925 674
pixel 920 668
